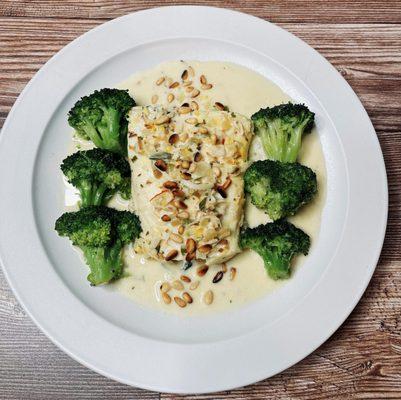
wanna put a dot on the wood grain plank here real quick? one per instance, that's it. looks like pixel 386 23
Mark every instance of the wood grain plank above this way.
pixel 363 358
pixel 319 11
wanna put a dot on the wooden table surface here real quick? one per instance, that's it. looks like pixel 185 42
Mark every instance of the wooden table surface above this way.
pixel 362 39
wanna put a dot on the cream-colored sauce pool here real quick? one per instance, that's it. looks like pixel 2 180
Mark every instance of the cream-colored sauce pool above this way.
pixel 245 92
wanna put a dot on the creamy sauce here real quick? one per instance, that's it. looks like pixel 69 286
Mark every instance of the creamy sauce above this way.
pixel 244 92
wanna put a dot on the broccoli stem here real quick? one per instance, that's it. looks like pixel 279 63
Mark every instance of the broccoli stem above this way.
pixel 105 263
pixel 93 195
pixel 92 134
pixel 278 267
pixel 111 131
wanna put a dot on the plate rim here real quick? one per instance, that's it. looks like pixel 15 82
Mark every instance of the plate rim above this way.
pixel 356 296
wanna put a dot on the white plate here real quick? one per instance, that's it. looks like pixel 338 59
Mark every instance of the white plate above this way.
pixel 146 348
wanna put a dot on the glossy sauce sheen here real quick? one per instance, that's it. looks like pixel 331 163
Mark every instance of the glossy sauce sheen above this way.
pixel 244 92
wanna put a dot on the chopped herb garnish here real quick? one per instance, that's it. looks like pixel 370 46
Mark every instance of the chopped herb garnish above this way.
pixel 161 156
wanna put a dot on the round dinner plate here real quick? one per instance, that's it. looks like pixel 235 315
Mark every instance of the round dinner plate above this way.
pixel 145 347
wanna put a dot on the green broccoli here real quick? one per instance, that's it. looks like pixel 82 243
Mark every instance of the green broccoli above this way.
pixel 102 118
pixel 277 243
pixel 97 174
pixel 279 188
pixel 101 233
pixel 281 128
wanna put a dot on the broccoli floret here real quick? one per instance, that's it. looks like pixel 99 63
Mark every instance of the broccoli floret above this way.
pixel 281 128
pixel 279 188
pixel 102 118
pixel 277 243
pixel 97 174
pixel 101 233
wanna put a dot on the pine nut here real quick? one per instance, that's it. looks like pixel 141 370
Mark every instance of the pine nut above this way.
pixel 177 285
pixel 233 272
pixel 154 98
pixel 194 105
pixel 208 297
pixel 206 248
pixel 187 297
pixel 219 106
pixel 203 79
pixel 218 277
pixel 194 285
pixel 195 93
pixel 166 298
pixel 182 303
pixel 185 164
pixel 184 110
pixel 157 174
pixel 174 85
pixel 170 97
pixel 185 278
pixel 171 255
pixel 224 267
pixel 165 287
pixel 160 81
pixel 170 185
pixel 184 75
pixel 181 229
pixel 191 71
pixel 161 164
pixel 190 245
pixel 207 86
pixel 166 218
pixel 202 270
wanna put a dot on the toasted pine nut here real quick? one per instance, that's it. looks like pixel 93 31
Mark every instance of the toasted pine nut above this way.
pixel 187 297
pixel 207 86
pixel 173 139
pixel 224 267
pixel 195 93
pixel 166 218
pixel 166 298
pixel 170 97
pixel 191 71
pixel 185 278
pixel 233 272
pixel 170 185
pixel 154 99
pixel 160 81
pixel 161 164
pixel 181 229
pixel 171 255
pixel 178 193
pixel 184 75
pixel 174 85
pixel 182 303
pixel 157 174
pixel 206 248
pixel 202 270
pixel 190 245
pixel 203 79
pixel 194 105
